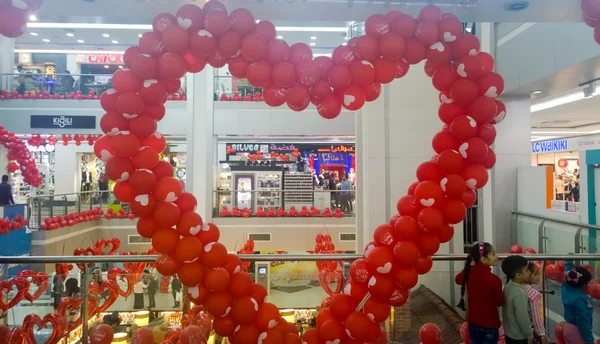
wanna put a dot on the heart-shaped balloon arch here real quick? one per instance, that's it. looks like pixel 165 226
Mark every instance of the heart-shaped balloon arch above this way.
pixel 401 250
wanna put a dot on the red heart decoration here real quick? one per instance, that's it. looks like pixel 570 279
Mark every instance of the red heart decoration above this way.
pixel 40 279
pixel 59 327
pixel 113 293
pixel 69 303
pixel 29 322
pixel 83 252
pixel 18 336
pixel 22 288
pixel 115 245
pixel 326 277
pixel 123 276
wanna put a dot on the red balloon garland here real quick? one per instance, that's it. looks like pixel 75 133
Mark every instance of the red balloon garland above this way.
pixel 289 74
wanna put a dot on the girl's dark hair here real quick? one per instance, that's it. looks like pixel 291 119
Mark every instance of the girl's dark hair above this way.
pixel 578 277
pixel 512 265
pixel 475 255
pixel 532 267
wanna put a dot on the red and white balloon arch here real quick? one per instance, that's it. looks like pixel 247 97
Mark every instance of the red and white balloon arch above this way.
pixel 401 249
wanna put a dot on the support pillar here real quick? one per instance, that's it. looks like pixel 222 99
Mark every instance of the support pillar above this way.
pixel 201 142
pixel 7 61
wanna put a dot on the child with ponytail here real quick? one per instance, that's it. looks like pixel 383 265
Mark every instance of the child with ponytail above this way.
pixel 484 294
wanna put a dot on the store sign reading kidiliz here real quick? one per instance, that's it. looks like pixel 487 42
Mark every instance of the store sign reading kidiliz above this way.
pixel 63 122
pixel 550 146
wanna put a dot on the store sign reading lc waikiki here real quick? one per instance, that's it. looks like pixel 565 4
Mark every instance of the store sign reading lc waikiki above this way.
pixel 550 146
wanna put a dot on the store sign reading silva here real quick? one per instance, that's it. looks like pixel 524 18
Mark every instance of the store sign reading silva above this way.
pixel 63 122
pixel 289 147
pixel 550 146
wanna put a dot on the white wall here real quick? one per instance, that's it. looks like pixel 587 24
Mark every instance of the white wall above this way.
pixel 67 169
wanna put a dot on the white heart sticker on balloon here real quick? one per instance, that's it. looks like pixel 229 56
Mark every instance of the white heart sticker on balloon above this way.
pixel 473 52
pixel 110 91
pixel 254 303
pixel 150 82
pixel 366 63
pixel 226 312
pixel 191 261
pixel 262 337
pixel 439 46
pixel 371 316
pixel 142 199
pixel 128 116
pixel 427 202
pixel 492 92
pixel 205 227
pixel 349 334
pixel 368 250
pixel 113 131
pixel 124 177
pixel 471 183
pixel 194 291
pixel 209 246
pixel 20 4
pixel 448 37
pixel 348 99
pixel 195 230
pixel 171 197
pixel 237 269
pixel 158 135
pixel 443 183
pixel 237 328
pixel 348 289
pixel 105 155
pixel 460 70
pixel 337 341
pixel 386 268
pixel 203 33
pixel 273 323
pixel 445 99
pixel 463 149
pixel 372 281
pixel 499 117
pixel 184 22
pixel 472 121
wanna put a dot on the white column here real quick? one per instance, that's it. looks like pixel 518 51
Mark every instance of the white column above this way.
pixel 201 142
pixel 7 60
pixel 72 65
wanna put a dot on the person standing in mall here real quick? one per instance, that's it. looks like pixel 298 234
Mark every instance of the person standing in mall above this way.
pixel 175 289
pixel 152 290
pixel 138 294
pixel 346 190
pixel 484 292
pixel 578 305
pixel 6 197
pixel 516 312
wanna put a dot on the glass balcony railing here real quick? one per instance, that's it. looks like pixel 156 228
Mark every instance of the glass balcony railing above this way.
pixel 64 86
pixel 93 287
pixel 228 88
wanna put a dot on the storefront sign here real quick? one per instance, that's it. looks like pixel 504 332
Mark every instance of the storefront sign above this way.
pixel 337 148
pixel 249 147
pixel 332 158
pixel 550 146
pixel 63 122
pixel 588 143
pixel 101 58
pixel 289 147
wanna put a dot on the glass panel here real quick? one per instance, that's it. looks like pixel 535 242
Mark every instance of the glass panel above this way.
pixel 561 238
pixel 528 232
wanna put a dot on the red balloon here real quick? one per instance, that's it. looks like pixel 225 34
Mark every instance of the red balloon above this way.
pixel 278 51
pixel 465 45
pixel 438 53
pixel 12 22
pixel 171 66
pixel 298 96
pixel 414 52
pixel 360 327
pixel 339 77
pixel 145 158
pixel 407 206
pixel 124 81
pixel 156 141
pixel 108 100
pixel 300 52
pixel 430 12
pixel 259 73
pixel 238 67
pixel 166 214
pixel 363 73
pixel 367 48
pixel 162 22
pixel 454 211
pixel 445 233
pixel 151 43
pixel 423 265
pixel 449 111
pixel 406 252
pixel 343 55
pixel 143 66
pixel 475 176
pixel 103 148
pixel 428 243
pixel 230 44
pixel 427 32
pixel 217 60
pixel 469 67
pixel 377 25
pixel 353 98
pixel 176 39
pixel 284 74
pixel 190 17
pixel 430 334
pixel 321 90
pixel 404 25
pixel 245 334
pixel 214 5
pixel 490 159
pixel 266 29
pixel 307 73
pixel 216 22
pixel 487 133
pixel 450 28
pixel 429 171
pixel 372 91
pixel 124 144
pixel 164 240
pixel 406 228
pixel 224 326
pixel 428 194
pixel 464 91
pixel 474 150
pixel 450 161
pixel 391 46
pixel 469 197
pixel 254 47
pixel 443 78
pixel 332 331
pixel 191 335
pixel 143 335
pixel 463 128
pixel 203 43
pixel 406 277
pixel 359 270
pixel 385 70
pixel 330 107
pixel 242 21
pixel 324 63
pixel 430 219
pixel 501 112
pixel 490 85
pixel 143 205
pixel 274 95
pixel 102 334
pixel 453 185
pixel 487 60
pixel 124 192
pixel 398 298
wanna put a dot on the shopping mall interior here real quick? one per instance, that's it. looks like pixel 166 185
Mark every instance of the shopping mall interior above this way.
pixel 300 171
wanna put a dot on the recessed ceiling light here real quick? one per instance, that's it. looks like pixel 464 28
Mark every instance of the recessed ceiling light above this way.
pixel 32 18
pixel 70 34
pixel 115 42
pixel 46 40
pixel 33 33
pixel 313 37
pixel 120 67
pixel 80 41
pixel 279 37
pixel 313 43
pixel 105 35
pixel 140 35
pixel 537 92
pixel 468 29
pixel 106 67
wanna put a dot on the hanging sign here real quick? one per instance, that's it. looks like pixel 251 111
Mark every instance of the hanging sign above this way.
pixel 63 122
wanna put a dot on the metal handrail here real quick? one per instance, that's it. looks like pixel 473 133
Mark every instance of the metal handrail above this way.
pixel 575 224
pixel 268 258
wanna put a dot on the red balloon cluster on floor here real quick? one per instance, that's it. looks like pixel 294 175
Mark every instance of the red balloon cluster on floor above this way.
pixel 78 138
pixel 280 212
pixel 20 158
pixel 15 223
pixel 71 219
pixel 13 16
pixel 402 249
pixel 256 97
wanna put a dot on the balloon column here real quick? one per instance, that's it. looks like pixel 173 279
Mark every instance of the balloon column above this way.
pixel 13 16
pixel 401 250
pixel 19 157
pixel 591 16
